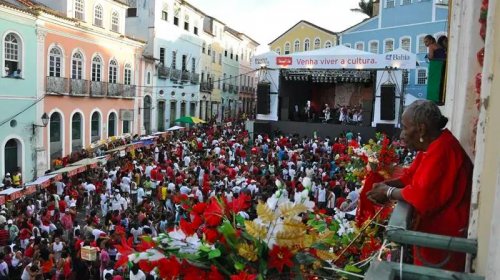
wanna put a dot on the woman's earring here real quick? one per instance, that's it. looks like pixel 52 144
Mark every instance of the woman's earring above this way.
pixel 421 140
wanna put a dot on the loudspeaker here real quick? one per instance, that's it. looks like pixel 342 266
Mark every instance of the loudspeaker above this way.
pixel 263 98
pixel 388 102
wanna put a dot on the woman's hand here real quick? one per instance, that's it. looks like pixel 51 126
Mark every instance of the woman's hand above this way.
pixel 378 194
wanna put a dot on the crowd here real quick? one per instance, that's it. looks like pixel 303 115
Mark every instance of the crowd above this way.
pixel 139 194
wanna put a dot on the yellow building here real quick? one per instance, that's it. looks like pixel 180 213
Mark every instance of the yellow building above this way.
pixel 303 36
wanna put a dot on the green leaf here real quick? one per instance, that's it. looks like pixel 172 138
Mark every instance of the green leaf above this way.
pixel 205 248
pixel 239 266
pixel 352 268
pixel 240 220
pixel 304 258
pixel 320 246
pixel 214 254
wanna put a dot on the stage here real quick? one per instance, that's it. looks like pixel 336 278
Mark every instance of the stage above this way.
pixel 308 128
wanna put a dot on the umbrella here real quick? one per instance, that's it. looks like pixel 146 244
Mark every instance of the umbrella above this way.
pixel 175 127
pixel 188 119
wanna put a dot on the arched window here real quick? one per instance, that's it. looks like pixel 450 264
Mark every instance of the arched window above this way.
pixel 307 45
pixel 328 44
pixel 115 21
pixel 203 47
pixel 55 62
pixel 405 43
pixel 79 9
pixel 12 155
pixel 296 46
pixel 98 15
pixel 164 13
pixel 77 66
pixel 76 132
pixel 127 77
pixel 113 72
pixel 112 124
pixel 12 55
pixel 55 127
pixel 186 22
pixel 287 48
pixel 95 127
pixel 96 69
pixel 317 43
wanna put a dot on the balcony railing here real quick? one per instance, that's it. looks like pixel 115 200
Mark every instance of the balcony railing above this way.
pixel 398 231
pixel 57 85
pixel 175 74
pixel 98 89
pixel 195 78
pixel 185 76
pixel 206 87
pixel 79 87
pixel 163 72
pixel 114 90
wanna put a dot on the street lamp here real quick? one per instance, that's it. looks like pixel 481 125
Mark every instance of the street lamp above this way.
pixel 45 122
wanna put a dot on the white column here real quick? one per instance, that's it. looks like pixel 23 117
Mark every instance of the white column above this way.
pixel 42 158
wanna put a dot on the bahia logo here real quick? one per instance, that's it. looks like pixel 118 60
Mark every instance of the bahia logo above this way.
pixel 283 60
pixel 397 57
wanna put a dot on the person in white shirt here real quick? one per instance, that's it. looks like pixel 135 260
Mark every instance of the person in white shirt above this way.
pixel 321 197
pixel 60 188
pixel 185 190
pixel 198 194
pixel 97 233
pixel 171 187
pixel 140 195
pixel 125 184
pixel 112 173
pixel 104 203
pixel 136 273
pixel 148 170
pixel 187 160
pixel 157 154
pixel 107 183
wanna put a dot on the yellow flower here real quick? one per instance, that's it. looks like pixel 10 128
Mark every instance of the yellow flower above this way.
pixel 247 251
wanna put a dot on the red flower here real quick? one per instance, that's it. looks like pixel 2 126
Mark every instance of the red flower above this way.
pixel 213 213
pixel 192 272
pixel 147 266
pixel 169 268
pixel 369 247
pixel 214 274
pixel 198 208
pixel 279 257
pixel 187 227
pixel 146 243
pixel 243 202
pixel 243 276
pixel 211 235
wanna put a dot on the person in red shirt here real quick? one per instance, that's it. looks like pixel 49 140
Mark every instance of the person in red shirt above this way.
pixel 438 183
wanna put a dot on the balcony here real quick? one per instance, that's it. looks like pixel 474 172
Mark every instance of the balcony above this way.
pixel 236 88
pixel 79 87
pixel 175 74
pixel 163 72
pixel 98 89
pixel 399 232
pixel 206 87
pixel 185 76
pixel 195 78
pixel 121 90
pixel 57 85
pixel 231 87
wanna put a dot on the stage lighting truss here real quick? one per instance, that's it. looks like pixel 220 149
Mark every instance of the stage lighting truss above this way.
pixel 327 76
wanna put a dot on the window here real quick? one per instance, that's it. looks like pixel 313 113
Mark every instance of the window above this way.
pixel 164 13
pixel 186 23
pixel 131 12
pixel 231 55
pixel 389 3
pixel 195 30
pixel 388 45
pixel 55 57
pixel 12 45
pixel 213 57
pixel 98 15
pixel 225 53
pixel 76 127
pixel 193 65
pixel 296 46
pixel 162 56
pixel 184 63
pixel 287 48
pixel 328 44
pixel 79 10
pixel 405 44
pixel 421 48
pixel 126 126
pixel 405 2
pixel 77 66
pixel 307 45
pixel 203 47
pixel 278 51
pixel 112 124
pixel 113 72
pixel 405 77
pixel 127 77
pixel 236 57
pixel 220 58
pixel 421 76
pixel 148 78
pixel 96 69
pixel 174 60
pixel 209 50
pixel 374 47
pixel 360 46
pixel 115 22
pixel 176 15
pixel 95 122
pixel 317 43
pixel 55 127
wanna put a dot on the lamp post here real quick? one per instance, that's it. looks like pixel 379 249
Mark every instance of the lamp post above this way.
pixel 45 122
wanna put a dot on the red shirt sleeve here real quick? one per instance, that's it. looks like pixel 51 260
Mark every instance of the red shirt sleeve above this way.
pixel 408 172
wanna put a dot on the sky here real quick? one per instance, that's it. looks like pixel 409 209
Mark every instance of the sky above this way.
pixel 265 20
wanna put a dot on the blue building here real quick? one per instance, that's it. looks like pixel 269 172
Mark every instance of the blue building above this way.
pixel 401 24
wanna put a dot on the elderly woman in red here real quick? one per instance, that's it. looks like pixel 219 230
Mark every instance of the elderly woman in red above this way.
pixel 437 184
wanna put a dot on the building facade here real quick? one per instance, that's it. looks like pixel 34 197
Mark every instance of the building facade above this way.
pixel 303 36
pixel 247 78
pixel 388 30
pixel 19 99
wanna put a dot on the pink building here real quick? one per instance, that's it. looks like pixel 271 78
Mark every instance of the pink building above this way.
pixel 90 77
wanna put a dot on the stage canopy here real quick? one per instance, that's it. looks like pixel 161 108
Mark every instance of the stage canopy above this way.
pixel 338 57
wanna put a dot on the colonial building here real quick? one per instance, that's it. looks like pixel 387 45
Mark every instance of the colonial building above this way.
pixel 89 72
pixel 19 99
pixel 303 36
pixel 388 30
pixel 248 81
pixel 172 30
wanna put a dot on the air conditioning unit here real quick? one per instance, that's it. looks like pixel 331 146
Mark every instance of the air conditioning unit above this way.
pixel 126 115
